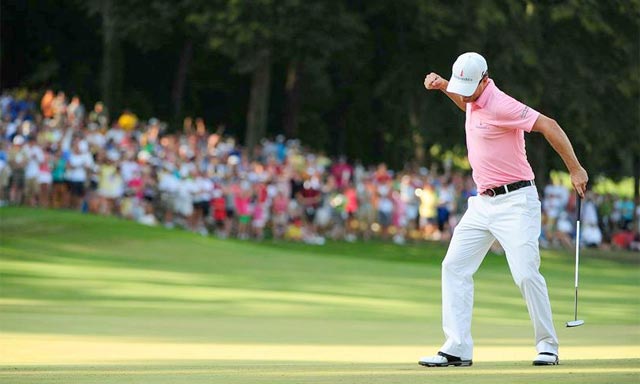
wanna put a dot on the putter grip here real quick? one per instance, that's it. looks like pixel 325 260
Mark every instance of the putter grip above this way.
pixel 579 203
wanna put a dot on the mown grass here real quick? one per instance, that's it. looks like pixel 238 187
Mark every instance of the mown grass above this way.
pixel 93 299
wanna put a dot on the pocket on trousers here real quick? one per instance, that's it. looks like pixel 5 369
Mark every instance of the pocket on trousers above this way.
pixel 532 200
pixel 532 203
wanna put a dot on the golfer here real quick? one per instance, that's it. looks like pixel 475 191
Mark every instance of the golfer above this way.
pixel 507 207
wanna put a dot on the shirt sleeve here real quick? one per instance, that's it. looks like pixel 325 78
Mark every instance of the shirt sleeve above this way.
pixel 515 115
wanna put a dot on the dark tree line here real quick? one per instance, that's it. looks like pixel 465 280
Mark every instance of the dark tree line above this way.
pixel 343 76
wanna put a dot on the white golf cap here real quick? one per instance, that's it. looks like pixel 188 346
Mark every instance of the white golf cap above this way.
pixel 466 73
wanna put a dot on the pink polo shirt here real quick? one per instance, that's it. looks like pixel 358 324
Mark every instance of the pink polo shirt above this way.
pixel 495 128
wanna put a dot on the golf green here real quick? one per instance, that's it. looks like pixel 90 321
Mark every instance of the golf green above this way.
pixel 86 299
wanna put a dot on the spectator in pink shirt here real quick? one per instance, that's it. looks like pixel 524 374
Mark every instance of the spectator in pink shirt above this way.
pixel 507 209
pixel 242 201
pixel 280 208
pixel 260 214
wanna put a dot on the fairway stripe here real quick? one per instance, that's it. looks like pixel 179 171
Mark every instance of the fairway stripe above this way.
pixel 328 372
pixel 65 349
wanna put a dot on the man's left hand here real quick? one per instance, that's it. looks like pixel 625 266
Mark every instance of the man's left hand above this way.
pixel 579 179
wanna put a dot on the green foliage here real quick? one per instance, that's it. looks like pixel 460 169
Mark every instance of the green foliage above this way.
pixel 361 66
pixel 601 185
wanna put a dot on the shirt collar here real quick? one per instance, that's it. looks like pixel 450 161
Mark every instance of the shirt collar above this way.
pixel 486 94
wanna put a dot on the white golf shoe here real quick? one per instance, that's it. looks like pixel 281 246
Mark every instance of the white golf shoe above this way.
pixel 546 358
pixel 444 360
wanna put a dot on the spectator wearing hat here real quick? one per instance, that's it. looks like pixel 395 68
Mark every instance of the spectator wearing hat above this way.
pixel 310 199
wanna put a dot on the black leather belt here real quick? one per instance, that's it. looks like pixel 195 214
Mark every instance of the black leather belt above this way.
pixel 501 190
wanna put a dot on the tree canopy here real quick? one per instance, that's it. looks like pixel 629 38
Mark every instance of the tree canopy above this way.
pixel 343 76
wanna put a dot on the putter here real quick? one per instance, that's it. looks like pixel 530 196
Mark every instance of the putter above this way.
pixel 576 322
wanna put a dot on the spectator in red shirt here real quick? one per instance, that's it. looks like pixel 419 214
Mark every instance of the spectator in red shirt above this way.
pixel 342 172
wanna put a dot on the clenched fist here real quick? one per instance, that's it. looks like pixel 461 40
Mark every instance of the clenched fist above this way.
pixel 434 81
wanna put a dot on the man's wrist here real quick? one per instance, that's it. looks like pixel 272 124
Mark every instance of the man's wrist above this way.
pixel 575 168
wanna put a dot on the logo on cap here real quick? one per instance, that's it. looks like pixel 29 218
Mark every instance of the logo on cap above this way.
pixel 462 73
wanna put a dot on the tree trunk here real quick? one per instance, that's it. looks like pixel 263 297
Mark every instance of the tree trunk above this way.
pixel 292 99
pixel 258 101
pixel 378 130
pixel 177 93
pixel 336 129
pixel 111 60
pixel 339 136
pixel 416 135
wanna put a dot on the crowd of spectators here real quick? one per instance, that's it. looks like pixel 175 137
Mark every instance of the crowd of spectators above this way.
pixel 606 220
pixel 59 155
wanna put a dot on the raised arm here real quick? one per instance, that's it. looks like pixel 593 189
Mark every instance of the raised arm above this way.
pixel 435 81
pixel 561 144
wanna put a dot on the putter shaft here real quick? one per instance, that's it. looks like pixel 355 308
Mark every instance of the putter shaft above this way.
pixel 575 321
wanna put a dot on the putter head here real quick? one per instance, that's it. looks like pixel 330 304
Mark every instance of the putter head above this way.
pixel 575 323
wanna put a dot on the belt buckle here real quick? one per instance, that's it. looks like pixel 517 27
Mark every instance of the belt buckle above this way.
pixel 490 192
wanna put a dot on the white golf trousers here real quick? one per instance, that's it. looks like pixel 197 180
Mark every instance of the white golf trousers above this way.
pixel 514 220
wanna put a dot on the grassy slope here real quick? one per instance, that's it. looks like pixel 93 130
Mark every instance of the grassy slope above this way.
pixel 117 300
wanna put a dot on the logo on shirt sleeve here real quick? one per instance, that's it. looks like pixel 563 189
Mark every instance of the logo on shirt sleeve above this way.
pixel 524 112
